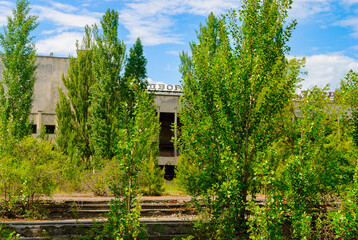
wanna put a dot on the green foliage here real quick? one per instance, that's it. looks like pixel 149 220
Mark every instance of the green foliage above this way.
pixel 99 181
pixel 18 75
pixel 137 144
pixel 72 109
pixel 64 132
pixel 100 105
pixel 186 173
pixel 312 161
pixel 349 94
pixel 345 219
pixel 267 222
pixel 151 177
pixel 136 65
pixel 8 235
pixel 235 82
pixel 108 93
pixel 123 219
pixel 43 136
pixel 28 169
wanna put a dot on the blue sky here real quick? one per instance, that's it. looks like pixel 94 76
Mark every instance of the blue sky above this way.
pixel 326 34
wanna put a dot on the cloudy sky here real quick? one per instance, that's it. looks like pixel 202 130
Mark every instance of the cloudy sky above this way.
pixel 327 31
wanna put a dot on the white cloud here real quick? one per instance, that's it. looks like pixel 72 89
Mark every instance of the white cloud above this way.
pixel 351 22
pixel 331 68
pixel 5 10
pixel 152 20
pixel 173 52
pixel 65 20
pixel 151 81
pixel 204 7
pixel 63 7
pixel 302 9
pixel 61 45
pixel 349 2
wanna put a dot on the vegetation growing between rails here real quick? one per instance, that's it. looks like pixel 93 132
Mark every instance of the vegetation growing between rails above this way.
pixel 28 169
pixel 6 234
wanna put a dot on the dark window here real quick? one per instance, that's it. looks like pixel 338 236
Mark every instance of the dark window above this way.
pixel 169 172
pixel 166 146
pixel 34 129
pixel 50 129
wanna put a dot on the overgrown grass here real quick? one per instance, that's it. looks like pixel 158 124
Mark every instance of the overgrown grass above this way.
pixel 172 188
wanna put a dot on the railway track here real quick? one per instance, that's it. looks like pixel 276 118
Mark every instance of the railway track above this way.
pixel 70 219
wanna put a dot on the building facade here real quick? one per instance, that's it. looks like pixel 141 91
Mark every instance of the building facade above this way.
pixel 49 80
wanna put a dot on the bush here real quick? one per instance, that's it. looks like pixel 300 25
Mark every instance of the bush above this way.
pixel 28 169
pixel 7 234
pixel 151 178
pixel 345 219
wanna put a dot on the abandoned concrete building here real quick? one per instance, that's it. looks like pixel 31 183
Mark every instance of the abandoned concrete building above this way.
pixel 49 72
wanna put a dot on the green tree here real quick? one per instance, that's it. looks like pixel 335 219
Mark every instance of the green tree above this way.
pixel 344 219
pixel 29 168
pixel 18 73
pixel 349 94
pixel 235 82
pixel 108 93
pixel 136 65
pixel 137 145
pixel 311 161
pixel 72 110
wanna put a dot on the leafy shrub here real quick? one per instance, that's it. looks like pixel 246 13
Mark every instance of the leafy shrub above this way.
pixel 267 222
pixel 345 219
pixel 6 234
pixel 28 169
pixel 151 178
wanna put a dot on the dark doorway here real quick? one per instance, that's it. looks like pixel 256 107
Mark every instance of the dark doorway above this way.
pixel 166 145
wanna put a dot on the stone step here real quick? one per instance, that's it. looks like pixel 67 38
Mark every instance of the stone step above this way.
pixel 95 209
pixel 160 228
pixel 89 205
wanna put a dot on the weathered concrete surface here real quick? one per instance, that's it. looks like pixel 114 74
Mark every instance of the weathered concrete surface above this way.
pixel 49 73
pixel 158 228
pixel 97 209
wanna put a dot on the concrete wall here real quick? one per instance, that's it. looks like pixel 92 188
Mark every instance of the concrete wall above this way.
pixel 49 73
pixel 49 79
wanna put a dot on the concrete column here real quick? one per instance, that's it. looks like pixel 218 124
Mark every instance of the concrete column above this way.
pixel 175 132
pixel 39 122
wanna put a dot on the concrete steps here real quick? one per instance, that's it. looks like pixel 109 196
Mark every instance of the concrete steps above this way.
pixel 98 209
pixel 160 228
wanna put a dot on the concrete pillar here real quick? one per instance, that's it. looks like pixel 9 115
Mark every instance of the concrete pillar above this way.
pixel 39 122
pixel 175 132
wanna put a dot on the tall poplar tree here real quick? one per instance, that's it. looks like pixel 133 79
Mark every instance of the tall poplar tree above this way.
pixel 109 90
pixel 18 73
pixel 235 81
pixel 72 109
pixel 136 65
